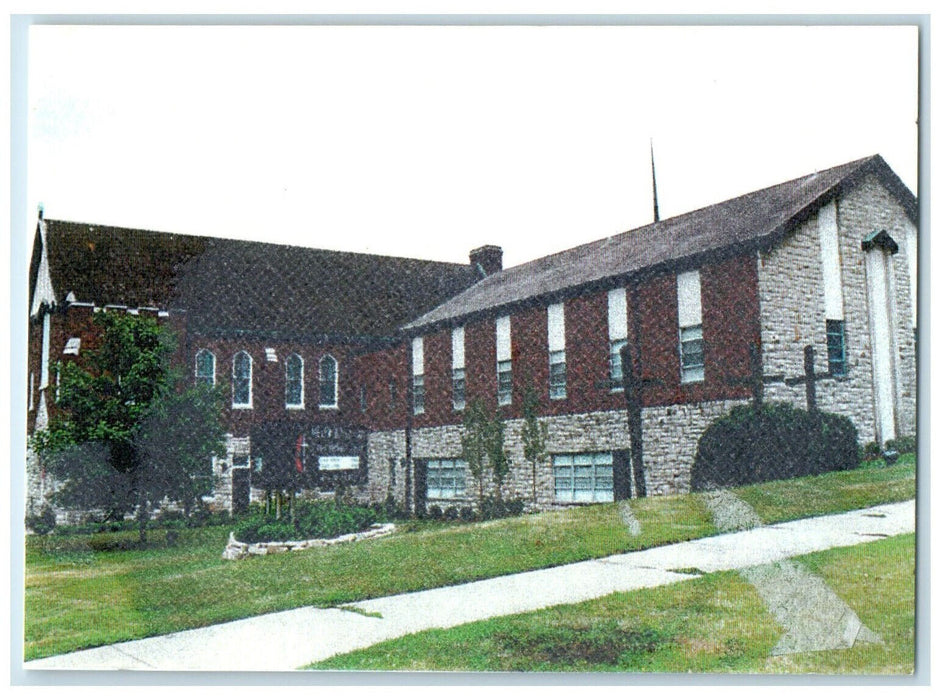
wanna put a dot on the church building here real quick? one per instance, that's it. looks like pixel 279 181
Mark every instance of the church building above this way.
pixel 361 367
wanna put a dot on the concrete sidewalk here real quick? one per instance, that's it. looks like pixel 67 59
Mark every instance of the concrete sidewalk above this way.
pixel 288 640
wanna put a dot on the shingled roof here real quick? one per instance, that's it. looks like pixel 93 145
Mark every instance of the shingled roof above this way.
pixel 241 287
pixel 752 220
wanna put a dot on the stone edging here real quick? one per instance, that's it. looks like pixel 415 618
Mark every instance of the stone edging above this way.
pixel 239 550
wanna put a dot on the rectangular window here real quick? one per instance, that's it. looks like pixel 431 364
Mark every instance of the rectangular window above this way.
pixel 691 358
pixel 504 362
pixel 505 382
pixel 457 368
pixel 418 375
pixel 584 478
pixel 617 336
pixel 72 346
pixel 836 348
pixel 556 332
pixel 689 314
pixel 446 478
pixel 615 368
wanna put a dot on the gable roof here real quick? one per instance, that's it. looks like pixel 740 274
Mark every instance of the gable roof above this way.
pixel 241 287
pixel 749 221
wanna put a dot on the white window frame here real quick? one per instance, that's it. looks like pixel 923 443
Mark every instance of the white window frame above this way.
pixel 418 375
pixel 235 379
pixel 336 382
pixel 555 331
pixel 617 336
pixel 566 470
pixel 689 320
pixel 454 471
pixel 202 352
pixel 504 361
pixel 458 380
pixel 287 381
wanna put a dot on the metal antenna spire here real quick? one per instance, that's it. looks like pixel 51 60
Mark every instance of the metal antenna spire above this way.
pixel 653 174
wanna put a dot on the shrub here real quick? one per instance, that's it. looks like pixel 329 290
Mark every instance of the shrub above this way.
pixel 903 445
pixel 451 513
pixel 779 442
pixel 467 514
pixel 871 451
pixel 435 512
pixel 42 523
pixel 491 508
pixel 316 520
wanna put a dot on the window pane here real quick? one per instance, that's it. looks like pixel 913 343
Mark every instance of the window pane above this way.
pixel 418 393
pixel 328 381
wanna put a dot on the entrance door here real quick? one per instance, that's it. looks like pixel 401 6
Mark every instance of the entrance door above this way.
pixel 241 490
pixel 883 345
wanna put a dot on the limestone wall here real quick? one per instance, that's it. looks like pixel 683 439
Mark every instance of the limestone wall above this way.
pixel 790 280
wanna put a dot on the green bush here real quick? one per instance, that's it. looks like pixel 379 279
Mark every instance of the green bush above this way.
pixel 492 508
pixel 779 442
pixel 906 444
pixel 871 450
pixel 317 520
pixel 42 523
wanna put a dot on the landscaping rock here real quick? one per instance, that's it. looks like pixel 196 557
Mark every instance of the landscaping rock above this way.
pixel 235 550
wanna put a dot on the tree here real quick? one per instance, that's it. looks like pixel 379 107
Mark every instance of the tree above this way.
pixel 474 443
pixel 534 433
pixel 127 433
pixel 482 448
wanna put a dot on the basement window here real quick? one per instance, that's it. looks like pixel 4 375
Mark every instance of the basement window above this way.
pixel 584 478
pixel 446 478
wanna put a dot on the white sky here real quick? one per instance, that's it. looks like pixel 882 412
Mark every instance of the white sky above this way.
pixel 429 141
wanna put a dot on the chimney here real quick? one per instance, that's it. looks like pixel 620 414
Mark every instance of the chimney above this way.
pixel 488 259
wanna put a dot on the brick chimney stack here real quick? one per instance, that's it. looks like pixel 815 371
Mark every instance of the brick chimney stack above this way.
pixel 487 258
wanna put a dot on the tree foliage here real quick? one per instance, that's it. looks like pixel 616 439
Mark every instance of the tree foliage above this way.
pixel 126 432
pixel 482 447
pixel 534 433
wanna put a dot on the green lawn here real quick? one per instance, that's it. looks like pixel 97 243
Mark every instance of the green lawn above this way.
pixel 716 623
pixel 80 592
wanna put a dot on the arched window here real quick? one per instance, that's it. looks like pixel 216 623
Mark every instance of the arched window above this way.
pixel 242 380
pixel 294 381
pixel 205 368
pixel 328 382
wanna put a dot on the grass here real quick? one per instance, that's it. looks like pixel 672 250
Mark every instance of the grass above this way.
pixel 88 590
pixel 716 623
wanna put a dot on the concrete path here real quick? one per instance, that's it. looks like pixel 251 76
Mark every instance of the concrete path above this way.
pixel 812 615
pixel 288 640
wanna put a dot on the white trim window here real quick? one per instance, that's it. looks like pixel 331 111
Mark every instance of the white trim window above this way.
pixel 329 372
pixel 555 320
pixel 583 478
pixel 418 375
pixel 504 362
pixel 446 478
pixel 242 380
pixel 294 381
pixel 689 313
pixel 458 384
pixel 828 233
pixel 205 368
pixel 617 336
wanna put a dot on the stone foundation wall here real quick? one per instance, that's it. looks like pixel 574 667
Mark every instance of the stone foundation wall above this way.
pixel 671 435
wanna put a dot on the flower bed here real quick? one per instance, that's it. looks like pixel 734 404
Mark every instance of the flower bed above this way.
pixel 239 550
